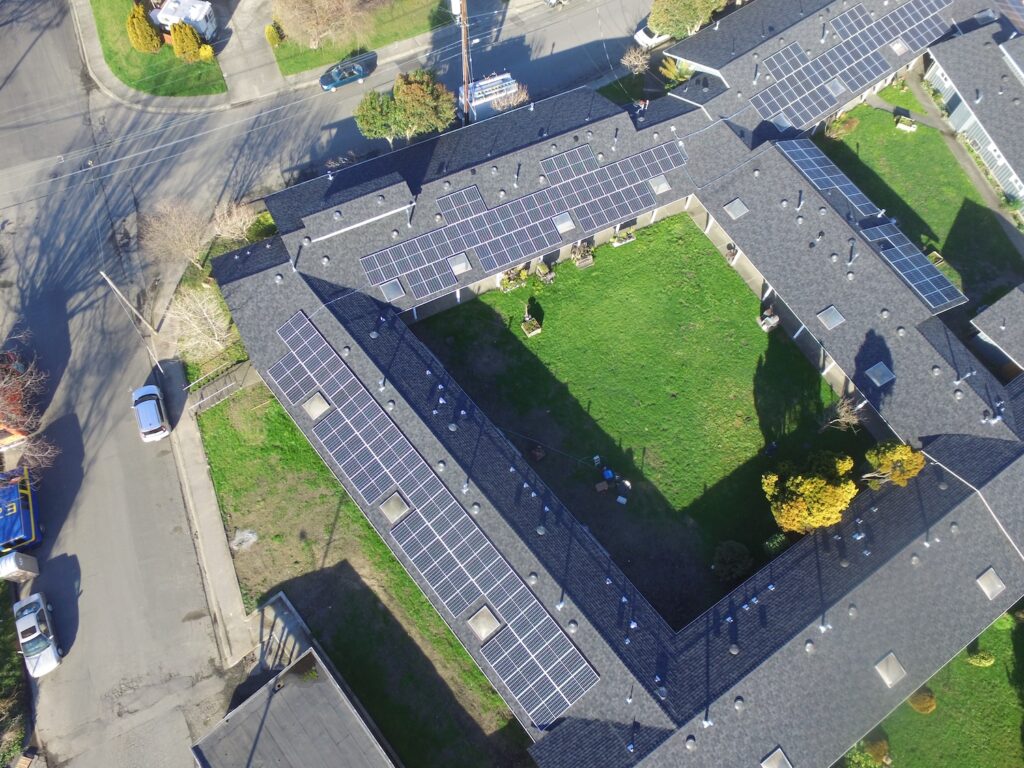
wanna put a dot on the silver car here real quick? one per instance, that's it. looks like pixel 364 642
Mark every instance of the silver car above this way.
pixel 35 633
pixel 148 404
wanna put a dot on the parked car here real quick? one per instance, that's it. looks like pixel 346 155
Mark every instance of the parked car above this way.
pixel 148 404
pixel 35 633
pixel 647 38
pixel 341 74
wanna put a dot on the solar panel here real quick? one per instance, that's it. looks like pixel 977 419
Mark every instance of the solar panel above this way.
pixel 462 204
pixel 517 231
pixel 786 61
pixel 852 21
pixel 808 93
pixel 541 668
pixel 292 378
pixel 916 269
pixel 824 174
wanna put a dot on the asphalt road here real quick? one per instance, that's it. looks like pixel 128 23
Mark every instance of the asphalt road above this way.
pixel 140 680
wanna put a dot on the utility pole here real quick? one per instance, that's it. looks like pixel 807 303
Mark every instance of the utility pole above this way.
pixel 126 306
pixel 465 61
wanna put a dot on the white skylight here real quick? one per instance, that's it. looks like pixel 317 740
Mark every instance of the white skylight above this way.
pixel 991 584
pixel 563 223
pixel 890 670
pixel 394 508
pixel 393 290
pixel 735 208
pixel 660 184
pixel 459 263
pixel 831 317
pixel 777 759
pixel 880 374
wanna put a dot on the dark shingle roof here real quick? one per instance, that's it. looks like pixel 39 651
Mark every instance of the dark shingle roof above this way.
pixel 300 719
pixel 1003 323
pixel 977 64
pixel 656 689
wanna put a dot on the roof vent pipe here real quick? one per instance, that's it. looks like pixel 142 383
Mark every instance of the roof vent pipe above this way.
pixel 977 95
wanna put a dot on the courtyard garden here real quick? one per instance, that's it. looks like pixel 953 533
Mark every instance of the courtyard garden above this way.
pixel 916 179
pixel 296 529
pixel 653 360
pixel 978 720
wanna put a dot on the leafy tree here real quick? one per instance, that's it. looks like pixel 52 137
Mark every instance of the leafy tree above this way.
pixel 732 561
pixel 186 42
pixel 815 497
pixel 424 104
pixel 674 71
pixel 681 18
pixel 636 60
pixel 141 35
pixel 377 117
pixel 894 463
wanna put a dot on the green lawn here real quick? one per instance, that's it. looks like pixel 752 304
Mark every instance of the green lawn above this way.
pixel 12 694
pixel 419 684
pixel 652 359
pixel 625 90
pixel 899 95
pixel 396 20
pixel 160 74
pixel 916 178
pixel 979 720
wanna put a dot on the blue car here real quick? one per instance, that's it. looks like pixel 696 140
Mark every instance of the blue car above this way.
pixel 340 74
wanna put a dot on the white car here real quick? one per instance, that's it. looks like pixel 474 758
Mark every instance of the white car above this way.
pixel 35 633
pixel 647 38
pixel 148 404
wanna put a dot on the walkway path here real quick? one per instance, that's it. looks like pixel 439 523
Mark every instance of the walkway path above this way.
pixel 246 59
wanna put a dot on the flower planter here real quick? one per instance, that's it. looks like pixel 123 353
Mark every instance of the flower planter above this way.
pixel 585 262
pixel 625 240
pixel 530 327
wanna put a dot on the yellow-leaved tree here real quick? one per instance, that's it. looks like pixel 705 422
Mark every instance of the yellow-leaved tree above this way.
pixel 815 497
pixel 894 463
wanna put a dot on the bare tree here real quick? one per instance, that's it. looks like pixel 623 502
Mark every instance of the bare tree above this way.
pixel 231 220
pixel 38 452
pixel 173 231
pixel 313 21
pixel 20 385
pixel 842 415
pixel 203 323
pixel 636 60
pixel 515 98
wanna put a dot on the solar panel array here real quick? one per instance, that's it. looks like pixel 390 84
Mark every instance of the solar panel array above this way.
pixel 521 229
pixel 530 654
pixel 824 174
pixel 826 82
pixel 914 267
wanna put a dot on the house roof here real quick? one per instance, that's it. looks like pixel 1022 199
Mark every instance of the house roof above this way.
pixel 891 558
pixel 300 719
pixel 1003 323
pixel 986 67
pixel 770 52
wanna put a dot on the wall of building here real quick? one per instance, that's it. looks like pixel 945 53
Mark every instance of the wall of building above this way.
pixel 963 120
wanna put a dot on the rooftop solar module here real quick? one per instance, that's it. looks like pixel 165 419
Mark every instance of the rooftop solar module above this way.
pixel 518 230
pixel 907 260
pixel 824 174
pixel 786 61
pixel 543 671
pixel 810 92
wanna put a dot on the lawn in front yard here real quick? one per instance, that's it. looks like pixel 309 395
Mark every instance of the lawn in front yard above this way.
pixel 916 179
pixel 625 90
pixel 652 359
pixel 420 686
pixel 395 20
pixel 978 721
pixel 161 73
pixel 899 95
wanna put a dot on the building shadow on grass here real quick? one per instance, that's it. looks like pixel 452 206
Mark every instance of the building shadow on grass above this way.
pixel 1015 672
pixel 396 683
pixel 985 276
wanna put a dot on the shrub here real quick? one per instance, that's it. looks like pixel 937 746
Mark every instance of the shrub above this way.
pixel 775 544
pixel 1005 622
pixel 877 749
pixel 273 34
pixel 923 701
pixel 732 561
pixel 141 35
pixel 205 52
pixel 186 42
pixel 858 758
pixel 981 658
